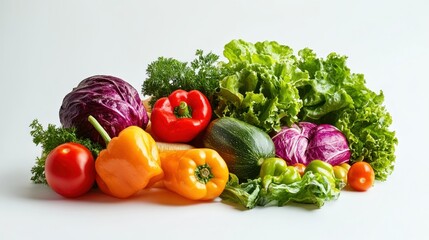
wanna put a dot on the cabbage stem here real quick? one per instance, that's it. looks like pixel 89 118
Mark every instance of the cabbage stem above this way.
pixel 99 129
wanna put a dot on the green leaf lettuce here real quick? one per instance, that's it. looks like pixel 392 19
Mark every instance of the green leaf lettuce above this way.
pixel 260 84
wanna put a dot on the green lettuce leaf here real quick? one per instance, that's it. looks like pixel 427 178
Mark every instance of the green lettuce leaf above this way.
pixel 313 188
pixel 245 194
pixel 326 92
pixel 260 85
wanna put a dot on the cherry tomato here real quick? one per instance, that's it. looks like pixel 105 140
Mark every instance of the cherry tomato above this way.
pixel 300 167
pixel 70 170
pixel 361 176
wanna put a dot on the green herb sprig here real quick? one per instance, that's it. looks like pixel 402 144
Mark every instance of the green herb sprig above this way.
pixel 168 74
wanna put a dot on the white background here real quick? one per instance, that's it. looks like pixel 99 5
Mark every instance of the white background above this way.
pixel 48 47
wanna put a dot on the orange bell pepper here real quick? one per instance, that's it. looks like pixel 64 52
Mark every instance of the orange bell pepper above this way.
pixel 129 163
pixel 197 174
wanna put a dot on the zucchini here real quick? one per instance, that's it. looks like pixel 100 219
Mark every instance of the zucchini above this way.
pixel 243 146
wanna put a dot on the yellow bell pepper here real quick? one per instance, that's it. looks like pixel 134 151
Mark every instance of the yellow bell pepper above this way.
pixel 130 162
pixel 197 174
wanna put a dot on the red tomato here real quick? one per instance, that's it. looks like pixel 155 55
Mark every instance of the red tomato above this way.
pixel 70 170
pixel 361 176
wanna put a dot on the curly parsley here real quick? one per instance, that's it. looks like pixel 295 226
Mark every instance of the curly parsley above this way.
pixel 168 74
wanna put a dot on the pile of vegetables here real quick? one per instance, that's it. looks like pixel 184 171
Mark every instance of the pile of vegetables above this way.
pixel 264 127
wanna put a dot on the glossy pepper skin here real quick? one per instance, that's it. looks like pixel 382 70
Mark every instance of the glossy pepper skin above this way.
pixel 129 163
pixel 196 174
pixel 275 170
pixel 323 168
pixel 181 116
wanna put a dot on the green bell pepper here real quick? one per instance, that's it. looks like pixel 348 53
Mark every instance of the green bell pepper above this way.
pixel 323 168
pixel 291 175
pixel 275 170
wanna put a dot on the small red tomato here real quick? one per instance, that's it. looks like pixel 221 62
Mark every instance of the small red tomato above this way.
pixel 70 170
pixel 361 176
pixel 300 167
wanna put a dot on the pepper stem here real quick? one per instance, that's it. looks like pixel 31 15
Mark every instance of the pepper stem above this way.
pixel 99 129
pixel 183 110
pixel 204 173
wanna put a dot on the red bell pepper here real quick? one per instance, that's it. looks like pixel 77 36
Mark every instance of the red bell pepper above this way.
pixel 181 116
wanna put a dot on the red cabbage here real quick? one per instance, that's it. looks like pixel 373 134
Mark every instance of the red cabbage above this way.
pixel 112 101
pixel 291 143
pixel 328 144
pixel 306 141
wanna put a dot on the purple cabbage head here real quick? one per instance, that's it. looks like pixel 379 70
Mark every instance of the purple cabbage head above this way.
pixel 291 143
pixel 112 101
pixel 328 144
pixel 306 141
